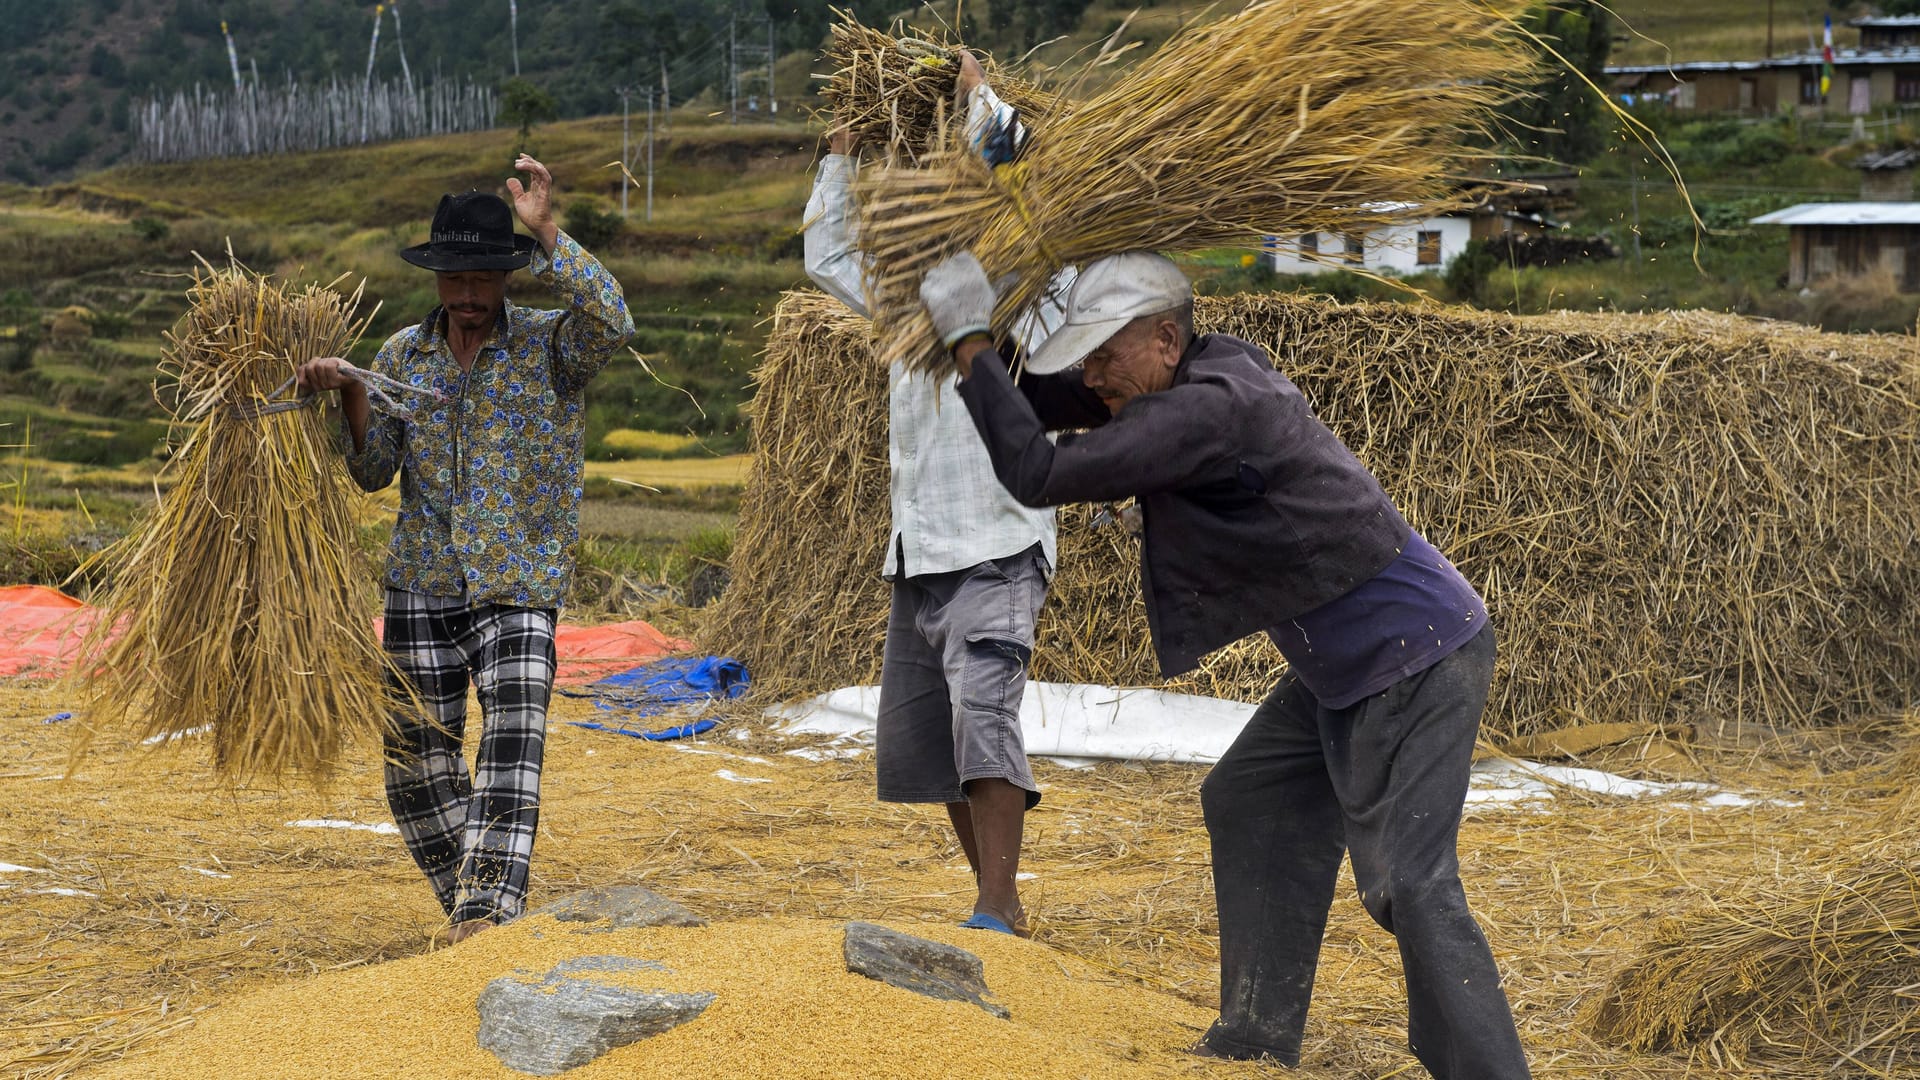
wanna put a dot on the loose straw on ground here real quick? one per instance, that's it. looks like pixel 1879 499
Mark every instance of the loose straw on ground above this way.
pixel 1331 116
pixel 241 605
pixel 895 90
pixel 1822 971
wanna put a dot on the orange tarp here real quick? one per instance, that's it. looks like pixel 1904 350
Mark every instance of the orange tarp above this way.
pixel 41 630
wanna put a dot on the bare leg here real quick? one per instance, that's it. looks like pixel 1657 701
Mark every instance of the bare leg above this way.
pixel 961 814
pixel 999 810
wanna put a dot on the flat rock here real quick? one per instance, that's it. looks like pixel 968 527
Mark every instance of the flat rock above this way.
pixel 567 1019
pixel 620 907
pixel 916 964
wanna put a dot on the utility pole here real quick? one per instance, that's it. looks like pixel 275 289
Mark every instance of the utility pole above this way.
pixel 773 107
pixel 666 94
pixel 1769 29
pixel 1635 166
pixel 626 159
pixel 513 27
pixel 741 55
pixel 626 154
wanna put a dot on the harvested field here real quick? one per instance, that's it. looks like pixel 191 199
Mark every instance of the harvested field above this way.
pixel 1679 519
pixel 161 913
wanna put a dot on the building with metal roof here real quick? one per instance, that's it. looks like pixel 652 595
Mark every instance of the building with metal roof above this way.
pixel 1850 239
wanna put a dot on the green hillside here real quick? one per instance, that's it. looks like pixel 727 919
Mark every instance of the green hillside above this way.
pixel 71 74
pixel 112 250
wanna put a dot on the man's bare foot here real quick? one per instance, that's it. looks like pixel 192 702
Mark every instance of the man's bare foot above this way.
pixel 459 932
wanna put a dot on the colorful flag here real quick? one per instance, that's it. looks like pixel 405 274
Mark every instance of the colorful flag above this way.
pixel 1826 59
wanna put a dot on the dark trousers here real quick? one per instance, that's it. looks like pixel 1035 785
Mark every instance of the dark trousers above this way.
pixel 1386 779
pixel 472 835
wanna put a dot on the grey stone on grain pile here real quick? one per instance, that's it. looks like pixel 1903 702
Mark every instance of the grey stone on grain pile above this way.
pixel 566 1019
pixel 619 907
pixel 916 964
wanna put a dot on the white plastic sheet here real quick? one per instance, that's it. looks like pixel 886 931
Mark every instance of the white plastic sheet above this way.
pixel 1077 724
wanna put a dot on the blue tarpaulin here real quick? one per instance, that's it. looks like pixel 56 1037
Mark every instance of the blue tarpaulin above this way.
pixel 655 688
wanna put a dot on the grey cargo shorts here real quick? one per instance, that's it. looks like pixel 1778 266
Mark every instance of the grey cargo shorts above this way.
pixel 951 681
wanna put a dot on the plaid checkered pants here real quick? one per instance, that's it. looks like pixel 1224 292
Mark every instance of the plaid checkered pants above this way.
pixel 472 836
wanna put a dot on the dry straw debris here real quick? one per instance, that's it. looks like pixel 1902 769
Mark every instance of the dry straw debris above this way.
pixel 241 604
pixel 1332 116
pixel 895 90
pixel 1821 970
pixel 1676 518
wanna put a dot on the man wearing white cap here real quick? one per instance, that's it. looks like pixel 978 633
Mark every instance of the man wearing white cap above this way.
pixel 968 566
pixel 1257 519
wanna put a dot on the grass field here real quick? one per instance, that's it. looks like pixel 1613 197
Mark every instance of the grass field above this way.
pixel 728 471
pixel 1662 30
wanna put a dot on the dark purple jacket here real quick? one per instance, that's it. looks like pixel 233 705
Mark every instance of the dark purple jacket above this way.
pixel 1253 511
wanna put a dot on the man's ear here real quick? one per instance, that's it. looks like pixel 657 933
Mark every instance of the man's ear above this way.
pixel 1166 334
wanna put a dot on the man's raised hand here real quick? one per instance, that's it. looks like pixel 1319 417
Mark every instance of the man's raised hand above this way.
pixel 534 201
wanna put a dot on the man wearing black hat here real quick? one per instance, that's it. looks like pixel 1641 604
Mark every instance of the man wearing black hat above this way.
pixel 483 546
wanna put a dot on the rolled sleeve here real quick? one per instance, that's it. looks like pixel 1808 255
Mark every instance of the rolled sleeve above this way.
pixel 834 261
pixel 375 463
pixel 596 322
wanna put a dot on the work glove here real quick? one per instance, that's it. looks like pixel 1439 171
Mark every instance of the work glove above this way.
pixel 959 298
pixel 994 128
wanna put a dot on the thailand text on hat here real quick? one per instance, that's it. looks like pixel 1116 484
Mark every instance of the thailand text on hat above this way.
pixel 472 231
pixel 1109 294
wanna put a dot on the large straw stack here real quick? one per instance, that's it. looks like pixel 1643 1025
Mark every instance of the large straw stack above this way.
pixel 1291 116
pixel 241 606
pixel 1821 970
pixel 1675 518
pixel 896 90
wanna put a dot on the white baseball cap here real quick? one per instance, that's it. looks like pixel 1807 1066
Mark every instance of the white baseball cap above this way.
pixel 1109 294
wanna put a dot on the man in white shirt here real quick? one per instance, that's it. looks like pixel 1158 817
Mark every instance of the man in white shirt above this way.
pixel 969 567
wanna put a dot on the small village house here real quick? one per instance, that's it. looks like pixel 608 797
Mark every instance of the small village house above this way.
pixel 1881 72
pixel 1422 244
pixel 1881 232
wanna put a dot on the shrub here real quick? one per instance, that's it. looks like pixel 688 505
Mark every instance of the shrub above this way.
pixel 593 227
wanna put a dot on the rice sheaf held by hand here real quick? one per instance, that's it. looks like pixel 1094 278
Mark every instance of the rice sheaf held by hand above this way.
pixel 1329 116
pixel 894 91
pixel 239 606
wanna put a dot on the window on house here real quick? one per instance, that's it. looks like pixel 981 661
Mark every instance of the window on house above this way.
pixel 1906 85
pixel 1310 244
pixel 1427 247
pixel 1356 248
pixel 1810 88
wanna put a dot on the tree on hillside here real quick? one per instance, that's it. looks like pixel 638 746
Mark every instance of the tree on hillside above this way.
pixel 1562 117
pixel 524 104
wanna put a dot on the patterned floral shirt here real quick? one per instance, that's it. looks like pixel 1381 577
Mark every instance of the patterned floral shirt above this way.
pixel 490 474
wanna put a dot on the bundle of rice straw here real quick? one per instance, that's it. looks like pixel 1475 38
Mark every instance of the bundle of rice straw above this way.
pixel 1333 116
pixel 1823 971
pixel 241 605
pixel 1675 518
pixel 896 89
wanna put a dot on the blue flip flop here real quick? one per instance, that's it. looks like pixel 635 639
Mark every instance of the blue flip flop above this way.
pixel 983 921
